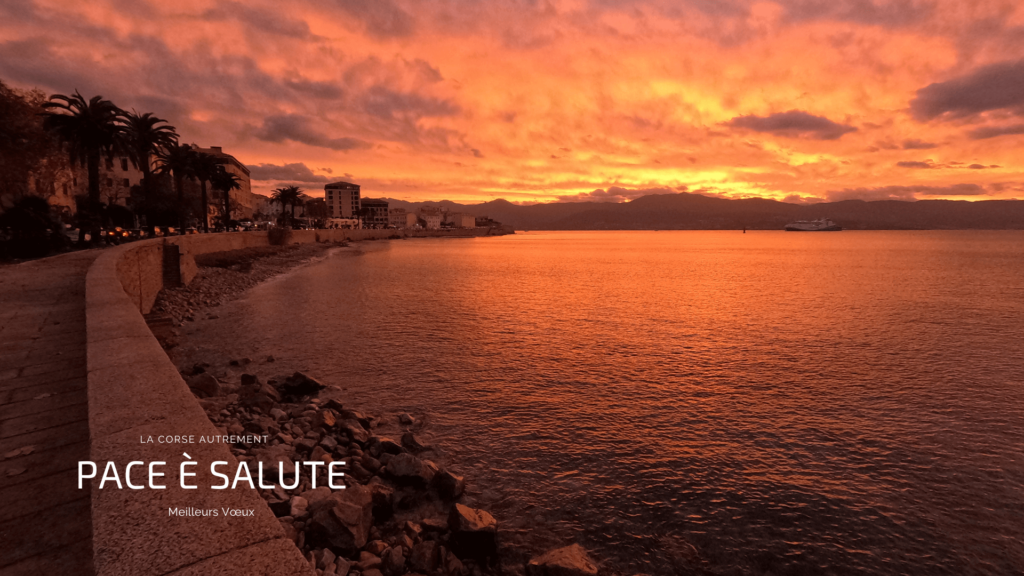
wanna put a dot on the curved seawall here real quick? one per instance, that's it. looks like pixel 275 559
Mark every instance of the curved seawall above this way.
pixel 135 392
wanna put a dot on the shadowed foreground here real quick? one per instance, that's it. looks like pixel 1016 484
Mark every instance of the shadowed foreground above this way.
pixel 45 523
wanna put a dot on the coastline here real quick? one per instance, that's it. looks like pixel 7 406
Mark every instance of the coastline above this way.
pixel 395 471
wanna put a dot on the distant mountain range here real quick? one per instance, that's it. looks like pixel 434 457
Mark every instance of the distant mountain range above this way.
pixel 696 212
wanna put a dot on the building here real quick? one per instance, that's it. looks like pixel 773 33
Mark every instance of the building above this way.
pixel 460 220
pixel 397 218
pixel 430 218
pixel 243 202
pixel 374 213
pixel 342 200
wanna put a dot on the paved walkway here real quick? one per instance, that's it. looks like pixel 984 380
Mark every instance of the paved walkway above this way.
pixel 45 521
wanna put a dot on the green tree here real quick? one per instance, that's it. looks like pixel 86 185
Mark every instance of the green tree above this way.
pixel 205 167
pixel 226 182
pixel 147 137
pixel 178 160
pixel 287 196
pixel 88 130
pixel 27 150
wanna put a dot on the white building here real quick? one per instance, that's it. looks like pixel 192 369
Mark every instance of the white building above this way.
pixel 430 218
pixel 342 200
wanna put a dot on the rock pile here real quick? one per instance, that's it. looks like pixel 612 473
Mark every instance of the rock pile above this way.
pixel 399 512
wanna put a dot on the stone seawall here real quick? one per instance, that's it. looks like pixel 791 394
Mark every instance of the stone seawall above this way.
pixel 134 392
pixel 141 266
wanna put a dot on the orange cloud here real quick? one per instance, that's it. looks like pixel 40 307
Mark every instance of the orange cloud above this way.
pixel 562 100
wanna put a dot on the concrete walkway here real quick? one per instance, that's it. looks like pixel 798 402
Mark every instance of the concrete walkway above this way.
pixel 45 521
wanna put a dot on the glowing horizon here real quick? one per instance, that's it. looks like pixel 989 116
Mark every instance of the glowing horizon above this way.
pixel 563 100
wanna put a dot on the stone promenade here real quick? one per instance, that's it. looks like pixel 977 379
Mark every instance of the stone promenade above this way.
pixel 45 520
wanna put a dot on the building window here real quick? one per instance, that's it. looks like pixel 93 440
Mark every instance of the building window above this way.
pixel 124 164
pixel 110 182
pixel 126 184
pixel 110 163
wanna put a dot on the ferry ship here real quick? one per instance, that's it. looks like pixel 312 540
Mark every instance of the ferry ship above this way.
pixel 820 225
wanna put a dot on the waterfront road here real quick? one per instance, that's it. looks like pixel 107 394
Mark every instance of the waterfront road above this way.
pixel 45 522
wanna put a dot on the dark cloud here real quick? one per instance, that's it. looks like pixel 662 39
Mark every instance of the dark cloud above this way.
pixel 381 18
pixel 906 193
pixel 925 164
pixel 985 132
pixel 614 194
pixel 915 144
pixel 793 124
pixel 994 87
pixel 315 88
pixel 300 128
pixel 296 172
pixel 891 14
pixel 385 103
pixel 798 199
pixel 259 20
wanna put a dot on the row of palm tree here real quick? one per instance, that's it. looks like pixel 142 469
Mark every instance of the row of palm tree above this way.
pixel 94 128
pixel 287 196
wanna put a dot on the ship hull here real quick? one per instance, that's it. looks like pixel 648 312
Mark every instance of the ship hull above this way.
pixel 826 229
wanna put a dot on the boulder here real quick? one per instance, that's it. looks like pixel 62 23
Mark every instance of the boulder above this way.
pixel 392 562
pixel 250 380
pixel 342 521
pixel 378 445
pixel 408 469
pixel 406 419
pixel 568 561
pixel 474 532
pixel 274 458
pixel 259 402
pixel 325 418
pixel 452 566
pixel 204 385
pixel 447 485
pixel 318 494
pixel 410 443
pixel 383 499
pixel 326 557
pixel 368 561
pixel 320 454
pixel 424 556
pixel 298 506
pixel 376 547
pixel 299 385
pixel 355 430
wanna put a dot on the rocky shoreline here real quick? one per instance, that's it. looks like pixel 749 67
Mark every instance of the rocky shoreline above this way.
pixel 223 276
pixel 401 510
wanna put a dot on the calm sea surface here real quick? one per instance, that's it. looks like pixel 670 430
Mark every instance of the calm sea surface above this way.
pixel 760 403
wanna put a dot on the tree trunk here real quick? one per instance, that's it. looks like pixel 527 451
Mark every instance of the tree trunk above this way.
pixel 147 197
pixel 227 208
pixel 179 188
pixel 93 165
pixel 206 207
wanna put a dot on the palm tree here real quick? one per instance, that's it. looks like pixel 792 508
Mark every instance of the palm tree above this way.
pixel 88 130
pixel 206 167
pixel 147 137
pixel 288 195
pixel 179 161
pixel 226 182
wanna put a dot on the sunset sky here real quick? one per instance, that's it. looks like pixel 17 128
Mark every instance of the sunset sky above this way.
pixel 562 100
